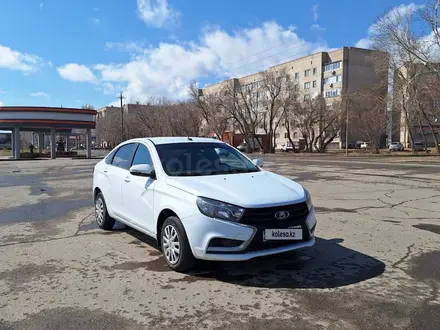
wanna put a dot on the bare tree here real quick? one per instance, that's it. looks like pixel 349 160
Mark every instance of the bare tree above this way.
pixel 244 105
pixel 318 123
pixel 273 92
pixel 214 116
pixel 108 128
pixel 412 55
pixel 368 115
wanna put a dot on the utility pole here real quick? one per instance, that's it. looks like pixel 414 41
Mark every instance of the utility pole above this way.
pixel 121 97
pixel 346 127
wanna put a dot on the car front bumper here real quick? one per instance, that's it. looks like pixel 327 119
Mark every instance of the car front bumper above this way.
pixel 201 230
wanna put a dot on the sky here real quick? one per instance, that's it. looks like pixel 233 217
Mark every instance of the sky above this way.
pixel 74 52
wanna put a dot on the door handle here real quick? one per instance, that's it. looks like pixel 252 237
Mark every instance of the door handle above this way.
pixel 105 170
pixel 127 179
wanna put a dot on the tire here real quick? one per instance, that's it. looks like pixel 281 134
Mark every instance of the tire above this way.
pixel 185 259
pixel 102 217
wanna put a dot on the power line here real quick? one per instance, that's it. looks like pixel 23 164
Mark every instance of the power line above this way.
pixel 263 51
pixel 265 58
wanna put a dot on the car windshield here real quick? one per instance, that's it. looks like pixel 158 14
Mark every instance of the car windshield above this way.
pixel 196 158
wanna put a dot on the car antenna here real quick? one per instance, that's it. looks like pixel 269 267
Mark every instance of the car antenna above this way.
pixel 190 139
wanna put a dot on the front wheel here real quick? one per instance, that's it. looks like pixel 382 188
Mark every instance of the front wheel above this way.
pixel 102 217
pixel 175 245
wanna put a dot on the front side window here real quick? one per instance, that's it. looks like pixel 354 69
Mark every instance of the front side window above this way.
pixel 142 156
pixel 197 158
pixel 123 156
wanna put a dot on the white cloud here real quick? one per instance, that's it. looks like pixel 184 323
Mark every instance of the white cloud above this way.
pixel 395 14
pixel 315 9
pixel 167 69
pixel 317 27
pixel 77 73
pixel 129 46
pixel 95 21
pixel 364 43
pixel 156 12
pixel 15 60
pixel 40 94
pixel 1 103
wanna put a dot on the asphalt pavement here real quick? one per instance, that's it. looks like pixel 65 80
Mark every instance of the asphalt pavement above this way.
pixel 375 264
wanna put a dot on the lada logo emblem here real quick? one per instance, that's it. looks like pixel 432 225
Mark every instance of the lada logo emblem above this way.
pixel 280 215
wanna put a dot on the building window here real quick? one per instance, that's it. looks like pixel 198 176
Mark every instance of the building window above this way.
pixel 306 97
pixel 286 135
pixel 307 85
pixel 332 66
pixel 277 135
pixel 295 135
pixel 333 79
pixel 314 71
pixel 314 83
pixel 297 75
pixel 307 73
pixel 333 93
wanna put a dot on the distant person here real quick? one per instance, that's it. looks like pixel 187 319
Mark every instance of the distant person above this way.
pixel 31 148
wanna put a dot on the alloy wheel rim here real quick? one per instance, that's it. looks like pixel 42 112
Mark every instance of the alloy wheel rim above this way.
pixel 171 244
pixel 99 211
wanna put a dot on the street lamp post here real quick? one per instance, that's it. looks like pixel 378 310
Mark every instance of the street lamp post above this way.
pixel 346 127
pixel 346 122
pixel 121 97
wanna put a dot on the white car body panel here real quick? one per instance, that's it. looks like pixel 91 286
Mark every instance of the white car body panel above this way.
pixel 138 201
pixel 260 189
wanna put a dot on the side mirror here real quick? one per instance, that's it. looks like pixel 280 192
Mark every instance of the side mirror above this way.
pixel 142 170
pixel 258 162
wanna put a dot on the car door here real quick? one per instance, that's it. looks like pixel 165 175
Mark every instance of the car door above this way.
pixel 118 171
pixel 138 192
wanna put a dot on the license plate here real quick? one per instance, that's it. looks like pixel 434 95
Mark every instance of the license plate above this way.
pixel 282 234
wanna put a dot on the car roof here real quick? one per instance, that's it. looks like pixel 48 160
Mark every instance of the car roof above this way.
pixel 177 139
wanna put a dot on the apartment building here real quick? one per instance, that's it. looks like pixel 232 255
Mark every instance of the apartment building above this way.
pixel 424 83
pixel 330 74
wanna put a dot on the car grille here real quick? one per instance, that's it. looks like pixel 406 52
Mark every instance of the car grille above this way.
pixel 266 215
pixel 264 218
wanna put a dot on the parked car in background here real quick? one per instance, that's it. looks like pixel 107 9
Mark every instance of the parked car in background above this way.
pixel 251 145
pixel 396 146
pixel 200 198
pixel 286 147
pixel 419 146
pixel 364 145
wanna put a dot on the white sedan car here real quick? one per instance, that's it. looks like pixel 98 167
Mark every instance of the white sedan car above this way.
pixel 200 198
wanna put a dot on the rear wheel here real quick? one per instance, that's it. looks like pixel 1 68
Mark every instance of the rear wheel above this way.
pixel 102 217
pixel 175 245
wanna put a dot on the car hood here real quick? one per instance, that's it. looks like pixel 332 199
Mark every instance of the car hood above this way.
pixel 257 189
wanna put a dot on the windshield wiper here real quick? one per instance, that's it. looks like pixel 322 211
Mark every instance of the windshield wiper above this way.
pixel 190 174
pixel 234 171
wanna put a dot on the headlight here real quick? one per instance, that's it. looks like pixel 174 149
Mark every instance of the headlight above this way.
pixel 219 210
pixel 308 200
